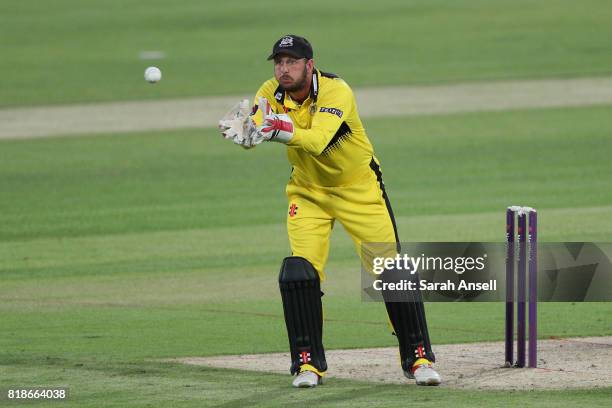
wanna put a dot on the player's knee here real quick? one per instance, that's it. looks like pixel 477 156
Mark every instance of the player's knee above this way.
pixel 297 269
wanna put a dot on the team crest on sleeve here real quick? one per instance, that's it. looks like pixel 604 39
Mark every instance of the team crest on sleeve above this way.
pixel 293 210
pixel 333 111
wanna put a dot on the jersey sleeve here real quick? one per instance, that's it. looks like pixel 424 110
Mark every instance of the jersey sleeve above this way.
pixel 333 107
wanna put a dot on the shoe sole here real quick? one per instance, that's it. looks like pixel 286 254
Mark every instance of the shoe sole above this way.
pixel 430 382
pixel 307 384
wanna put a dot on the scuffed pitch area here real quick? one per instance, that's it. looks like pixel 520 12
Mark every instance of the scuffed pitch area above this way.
pixel 563 363
pixel 111 117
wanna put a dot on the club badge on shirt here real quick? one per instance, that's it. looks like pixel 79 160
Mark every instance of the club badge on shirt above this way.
pixel 313 109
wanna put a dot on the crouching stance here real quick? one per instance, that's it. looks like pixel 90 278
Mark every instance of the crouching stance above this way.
pixel 335 178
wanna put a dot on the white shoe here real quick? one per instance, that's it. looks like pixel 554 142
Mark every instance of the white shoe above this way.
pixel 307 379
pixel 424 375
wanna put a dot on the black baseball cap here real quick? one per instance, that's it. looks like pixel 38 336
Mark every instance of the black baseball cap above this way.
pixel 293 45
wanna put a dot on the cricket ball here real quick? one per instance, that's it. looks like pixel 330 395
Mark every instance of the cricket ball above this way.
pixel 152 75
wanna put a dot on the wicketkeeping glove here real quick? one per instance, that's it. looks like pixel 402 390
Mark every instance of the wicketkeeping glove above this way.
pixel 237 126
pixel 276 127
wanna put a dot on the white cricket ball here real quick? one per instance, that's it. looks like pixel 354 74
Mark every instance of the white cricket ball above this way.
pixel 152 75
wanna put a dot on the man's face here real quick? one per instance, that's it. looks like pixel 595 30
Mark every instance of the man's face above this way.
pixel 291 72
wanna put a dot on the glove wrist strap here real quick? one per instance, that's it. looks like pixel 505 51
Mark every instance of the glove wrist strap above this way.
pixel 282 137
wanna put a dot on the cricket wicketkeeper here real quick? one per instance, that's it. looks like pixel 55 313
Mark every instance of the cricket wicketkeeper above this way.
pixel 335 177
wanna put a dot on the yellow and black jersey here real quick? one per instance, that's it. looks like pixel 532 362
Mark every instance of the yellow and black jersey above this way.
pixel 329 147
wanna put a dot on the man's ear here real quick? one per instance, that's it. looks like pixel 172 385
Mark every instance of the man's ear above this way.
pixel 310 66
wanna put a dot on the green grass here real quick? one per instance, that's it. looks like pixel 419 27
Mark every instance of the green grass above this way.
pixel 71 51
pixel 119 250
pixel 147 384
pixel 437 166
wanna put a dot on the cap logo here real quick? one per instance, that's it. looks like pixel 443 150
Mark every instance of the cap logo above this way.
pixel 286 42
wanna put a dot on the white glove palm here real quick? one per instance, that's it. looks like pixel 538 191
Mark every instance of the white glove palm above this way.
pixel 237 125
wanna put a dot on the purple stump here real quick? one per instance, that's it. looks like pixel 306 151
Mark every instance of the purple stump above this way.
pixel 510 215
pixel 533 289
pixel 521 290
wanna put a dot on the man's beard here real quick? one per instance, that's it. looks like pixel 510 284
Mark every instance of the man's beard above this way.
pixel 299 85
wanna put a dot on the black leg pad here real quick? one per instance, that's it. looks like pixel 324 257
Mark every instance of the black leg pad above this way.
pixel 407 315
pixel 301 293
